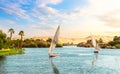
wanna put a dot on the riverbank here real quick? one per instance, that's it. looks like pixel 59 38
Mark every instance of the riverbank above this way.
pixel 9 51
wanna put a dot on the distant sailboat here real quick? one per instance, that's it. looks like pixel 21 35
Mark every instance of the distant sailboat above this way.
pixel 53 43
pixel 95 44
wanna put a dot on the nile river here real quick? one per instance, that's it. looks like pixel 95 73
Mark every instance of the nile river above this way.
pixel 71 60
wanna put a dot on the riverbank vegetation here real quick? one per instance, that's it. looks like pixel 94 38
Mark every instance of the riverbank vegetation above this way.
pixel 11 51
pixel 7 45
pixel 114 44
pixel 38 43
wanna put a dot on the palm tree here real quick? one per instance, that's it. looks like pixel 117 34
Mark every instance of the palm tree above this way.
pixel 11 31
pixel 21 33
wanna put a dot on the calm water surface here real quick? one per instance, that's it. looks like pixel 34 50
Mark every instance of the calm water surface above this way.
pixel 71 60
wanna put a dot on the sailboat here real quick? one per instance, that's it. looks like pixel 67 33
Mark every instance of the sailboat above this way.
pixel 95 44
pixel 53 43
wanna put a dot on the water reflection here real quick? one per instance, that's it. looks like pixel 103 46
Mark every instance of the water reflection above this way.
pixel 55 70
pixel 2 62
pixel 94 59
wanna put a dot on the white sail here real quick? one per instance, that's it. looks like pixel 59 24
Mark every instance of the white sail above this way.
pixel 93 41
pixel 95 45
pixel 55 40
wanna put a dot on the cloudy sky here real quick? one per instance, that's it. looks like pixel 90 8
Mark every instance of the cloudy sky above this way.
pixel 78 18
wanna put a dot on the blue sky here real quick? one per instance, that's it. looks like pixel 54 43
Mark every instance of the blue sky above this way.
pixel 78 18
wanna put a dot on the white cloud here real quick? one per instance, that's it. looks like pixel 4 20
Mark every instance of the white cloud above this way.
pixel 45 2
pixel 97 9
pixel 88 19
pixel 14 9
pixel 112 19
pixel 96 16
pixel 100 7
pixel 48 11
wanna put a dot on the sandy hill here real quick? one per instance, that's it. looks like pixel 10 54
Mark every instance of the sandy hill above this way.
pixel 74 40
pixel 77 40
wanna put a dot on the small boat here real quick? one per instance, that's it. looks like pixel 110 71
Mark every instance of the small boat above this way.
pixel 96 49
pixel 95 44
pixel 53 43
pixel 53 55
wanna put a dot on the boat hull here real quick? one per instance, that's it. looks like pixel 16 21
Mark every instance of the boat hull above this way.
pixel 53 55
pixel 96 52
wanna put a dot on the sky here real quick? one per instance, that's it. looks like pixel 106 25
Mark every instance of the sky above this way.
pixel 77 18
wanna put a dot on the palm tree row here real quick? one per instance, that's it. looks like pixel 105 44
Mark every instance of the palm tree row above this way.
pixel 21 33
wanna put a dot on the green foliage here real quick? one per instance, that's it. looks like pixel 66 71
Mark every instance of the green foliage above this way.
pixel 2 39
pixel 116 38
pixel 87 45
pixel 15 43
pixel 11 31
pixel 117 45
pixel 59 45
pixel 81 44
pixel 38 43
pixel 68 44
pixel 100 40
pixel 43 44
pixel 49 40
pixel 1 43
pixel 30 44
pixel 113 43
pixel 89 41
pixel 6 43
pixel 21 33
pixel 2 35
pixel 12 51
pixel 8 46
pixel 103 45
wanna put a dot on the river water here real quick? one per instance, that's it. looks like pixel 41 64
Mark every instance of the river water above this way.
pixel 71 60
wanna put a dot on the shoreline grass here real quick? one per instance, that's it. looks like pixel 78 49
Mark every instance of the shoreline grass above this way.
pixel 11 51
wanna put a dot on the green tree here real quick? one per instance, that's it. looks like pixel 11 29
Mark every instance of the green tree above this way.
pixel 100 40
pixel 21 33
pixel 2 39
pixel 116 38
pixel 89 41
pixel 11 31
pixel 49 40
pixel 117 45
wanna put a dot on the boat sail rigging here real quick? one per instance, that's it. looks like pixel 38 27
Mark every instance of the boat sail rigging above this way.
pixel 53 43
